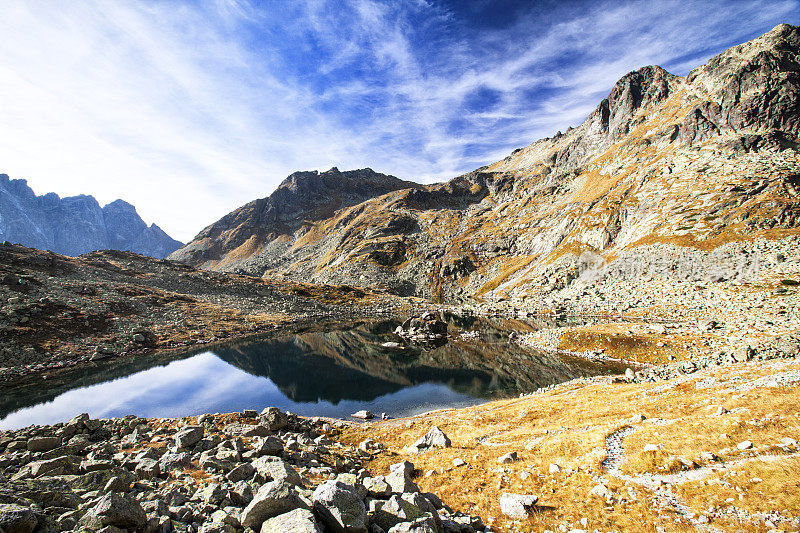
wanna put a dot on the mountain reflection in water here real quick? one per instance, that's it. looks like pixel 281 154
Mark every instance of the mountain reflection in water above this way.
pixel 319 372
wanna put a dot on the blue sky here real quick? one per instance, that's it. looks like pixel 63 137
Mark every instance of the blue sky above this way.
pixel 190 109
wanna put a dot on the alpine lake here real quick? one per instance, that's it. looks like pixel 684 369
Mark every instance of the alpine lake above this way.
pixel 330 369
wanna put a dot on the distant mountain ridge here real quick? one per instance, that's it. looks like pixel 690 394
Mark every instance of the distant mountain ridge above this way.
pixel 75 225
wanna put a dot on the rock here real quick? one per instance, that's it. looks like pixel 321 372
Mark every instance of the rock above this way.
pixel 277 469
pixel 743 353
pixel 458 462
pixel 387 514
pixel 708 456
pixel 434 438
pixel 650 448
pixel 720 411
pixel 297 521
pixel 147 469
pixel 17 519
pixel 630 375
pixel 340 508
pixel 420 525
pixel 745 445
pixel 601 491
pixel 363 415
pixel 269 446
pixel 173 461
pixel 274 419
pixel 399 478
pixel 510 457
pixel 377 487
pixel 787 442
pixel 189 436
pixel 241 472
pixel 273 499
pixel 554 468
pixel 54 467
pixel 43 444
pixel 115 510
pixel 517 506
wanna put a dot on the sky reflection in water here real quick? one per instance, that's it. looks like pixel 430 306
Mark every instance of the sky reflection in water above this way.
pixel 205 383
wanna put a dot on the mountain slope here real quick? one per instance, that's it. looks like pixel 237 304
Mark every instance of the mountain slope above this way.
pixel 663 163
pixel 75 225
pixel 266 225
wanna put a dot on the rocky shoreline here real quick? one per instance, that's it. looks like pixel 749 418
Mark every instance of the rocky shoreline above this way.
pixel 267 472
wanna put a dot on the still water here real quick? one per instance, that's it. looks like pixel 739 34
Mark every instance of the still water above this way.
pixel 328 370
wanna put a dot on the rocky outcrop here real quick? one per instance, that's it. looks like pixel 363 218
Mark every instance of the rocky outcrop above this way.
pixel 75 225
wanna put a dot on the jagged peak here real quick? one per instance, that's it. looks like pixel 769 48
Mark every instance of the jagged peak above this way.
pixel 120 203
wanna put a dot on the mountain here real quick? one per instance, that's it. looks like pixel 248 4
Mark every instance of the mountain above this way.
pixel 75 225
pixel 268 226
pixel 665 166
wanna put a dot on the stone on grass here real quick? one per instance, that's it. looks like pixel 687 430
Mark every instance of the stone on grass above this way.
pixel 435 438
pixel 269 446
pixel 650 448
pixel 601 491
pixel 510 457
pixel 399 478
pixel 554 468
pixel 517 506
pixel 340 507
pixel 425 524
pixel 274 419
pixel 363 415
pixel 377 487
pixel 297 521
pixel 745 445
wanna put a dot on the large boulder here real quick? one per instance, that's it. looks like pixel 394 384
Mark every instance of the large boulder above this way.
pixel 189 436
pixel 277 469
pixel 340 507
pixel 399 478
pixel 43 444
pixel 115 510
pixel 273 419
pixel 17 519
pixel 272 499
pixel 396 510
pixel 297 521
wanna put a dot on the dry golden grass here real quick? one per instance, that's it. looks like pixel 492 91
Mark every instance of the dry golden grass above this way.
pixel 764 485
pixel 568 426
pixel 620 342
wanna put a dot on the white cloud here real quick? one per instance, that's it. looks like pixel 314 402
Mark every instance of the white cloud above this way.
pixel 189 110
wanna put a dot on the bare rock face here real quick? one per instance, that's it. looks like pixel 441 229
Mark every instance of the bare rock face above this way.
pixel 75 225
pixel 758 83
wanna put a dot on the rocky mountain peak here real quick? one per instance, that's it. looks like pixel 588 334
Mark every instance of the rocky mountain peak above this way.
pixel 75 225
pixel 304 196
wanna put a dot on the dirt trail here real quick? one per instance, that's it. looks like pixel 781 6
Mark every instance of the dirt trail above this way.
pixel 663 496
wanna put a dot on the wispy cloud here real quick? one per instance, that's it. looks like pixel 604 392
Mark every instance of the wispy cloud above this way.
pixel 190 109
